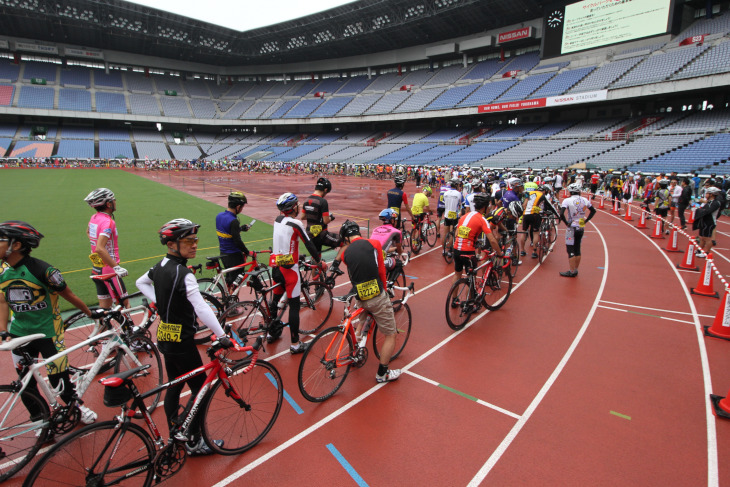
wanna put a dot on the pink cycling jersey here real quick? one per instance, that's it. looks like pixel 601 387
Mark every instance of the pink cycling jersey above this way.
pixel 103 224
pixel 386 235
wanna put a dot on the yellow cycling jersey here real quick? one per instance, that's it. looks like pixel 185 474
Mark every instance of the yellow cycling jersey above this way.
pixel 419 201
pixel 534 203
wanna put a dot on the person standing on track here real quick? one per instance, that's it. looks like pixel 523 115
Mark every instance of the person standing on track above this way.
pixel 366 270
pixel 397 198
pixel 30 288
pixel 468 230
pixel 288 231
pixel 662 200
pixel 316 212
pixel 575 206
pixel 232 249
pixel 104 239
pixel 172 286
pixel 453 203
pixel 706 218
pixel 685 198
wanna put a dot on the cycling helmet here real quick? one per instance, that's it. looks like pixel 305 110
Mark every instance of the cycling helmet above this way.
pixel 236 198
pixel 516 209
pixel 454 183
pixel 497 215
pixel 480 201
pixel 400 180
pixel 712 190
pixel 99 197
pixel 574 188
pixel 177 229
pixel 387 215
pixel 323 184
pixel 22 232
pixel 427 189
pixel 548 179
pixel 664 183
pixel 349 229
pixel 514 182
pixel 502 184
pixel 287 202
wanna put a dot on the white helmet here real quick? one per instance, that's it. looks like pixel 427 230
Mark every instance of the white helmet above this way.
pixel 575 188
pixel 99 197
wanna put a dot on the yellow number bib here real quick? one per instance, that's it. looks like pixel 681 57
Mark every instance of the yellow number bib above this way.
pixel 582 222
pixel 315 230
pixel 463 232
pixel 451 215
pixel 284 259
pixel 367 290
pixel 96 260
pixel 168 332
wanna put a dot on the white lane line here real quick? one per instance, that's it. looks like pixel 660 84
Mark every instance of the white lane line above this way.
pixel 654 309
pixel 507 441
pixel 644 314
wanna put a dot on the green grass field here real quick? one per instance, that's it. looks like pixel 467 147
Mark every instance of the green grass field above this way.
pixel 52 200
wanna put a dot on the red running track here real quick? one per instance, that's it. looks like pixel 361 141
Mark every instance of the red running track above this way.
pixel 598 380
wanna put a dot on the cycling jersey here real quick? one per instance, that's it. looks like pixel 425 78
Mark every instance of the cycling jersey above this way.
pixel 420 200
pixel 315 209
pixel 387 235
pixel 470 226
pixel 442 191
pixel 103 224
pixel 576 209
pixel 534 203
pixel 365 267
pixel 508 197
pixel 662 198
pixel 285 249
pixel 228 229
pixel 452 204
pixel 396 198
pixel 31 290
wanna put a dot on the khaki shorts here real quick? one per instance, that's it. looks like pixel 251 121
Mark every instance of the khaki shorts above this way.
pixel 382 310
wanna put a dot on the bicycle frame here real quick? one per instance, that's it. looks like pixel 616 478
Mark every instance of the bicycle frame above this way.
pixel 246 267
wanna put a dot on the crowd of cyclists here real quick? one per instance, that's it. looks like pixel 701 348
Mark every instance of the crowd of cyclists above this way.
pixel 480 208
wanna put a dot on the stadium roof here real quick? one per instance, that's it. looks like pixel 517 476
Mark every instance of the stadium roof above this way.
pixel 362 27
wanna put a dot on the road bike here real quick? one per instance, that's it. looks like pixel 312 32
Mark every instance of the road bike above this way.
pixel 511 250
pixel 424 231
pixel 238 404
pixel 27 421
pixel 487 285
pixel 330 355
pixel 546 236
pixel 449 240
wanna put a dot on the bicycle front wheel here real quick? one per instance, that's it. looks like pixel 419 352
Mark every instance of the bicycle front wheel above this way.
pixel 202 333
pixel 217 289
pixel 243 411
pixel 497 289
pixel 431 234
pixel 144 353
pixel 19 443
pixel 107 453
pixel 416 240
pixel 514 250
pixel 542 246
pixel 325 364
pixel 78 328
pixel 459 304
pixel 402 315
pixel 244 317
pixel 449 248
pixel 315 307
pixel 398 277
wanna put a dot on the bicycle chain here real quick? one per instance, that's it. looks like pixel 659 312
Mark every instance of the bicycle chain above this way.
pixel 169 460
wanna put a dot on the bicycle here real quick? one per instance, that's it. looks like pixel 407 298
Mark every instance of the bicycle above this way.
pixel 259 315
pixel 238 403
pixel 330 355
pixel 425 231
pixel 397 275
pixel 468 294
pixel 26 427
pixel 449 240
pixel 545 239
pixel 228 294
pixel 511 250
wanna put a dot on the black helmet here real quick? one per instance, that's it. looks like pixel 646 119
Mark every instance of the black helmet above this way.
pixel 481 200
pixel 17 230
pixel 236 198
pixel 323 184
pixel 400 180
pixel 176 229
pixel 349 229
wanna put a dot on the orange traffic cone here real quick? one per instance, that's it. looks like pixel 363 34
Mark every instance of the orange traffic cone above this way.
pixel 704 284
pixel 642 220
pixel 721 325
pixel 615 210
pixel 673 241
pixel 627 216
pixel 601 206
pixel 688 263
pixel 657 229
pixel 691 218
pixel 721 406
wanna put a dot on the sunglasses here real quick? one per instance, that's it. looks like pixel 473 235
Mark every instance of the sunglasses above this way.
pixel 189 240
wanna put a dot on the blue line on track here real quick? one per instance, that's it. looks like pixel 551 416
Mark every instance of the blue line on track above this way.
pixel 601 267
pixel 411 277
pixel 288 398
pixel 346 465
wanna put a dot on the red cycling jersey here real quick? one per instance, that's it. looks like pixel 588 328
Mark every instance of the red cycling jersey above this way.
pixel 470 226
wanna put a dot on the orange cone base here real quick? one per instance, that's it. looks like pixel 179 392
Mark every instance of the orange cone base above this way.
pixel 696 269
pixel 718 405
pixel 709 294
pixel 711 334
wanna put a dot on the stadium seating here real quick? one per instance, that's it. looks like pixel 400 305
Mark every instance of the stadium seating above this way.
pixel 604 75
pixel 76 149
pixel 9 71
pixel 359 105
pixel 72 132
pixel 354 85
pixel 72 99
pixel 36 97
pixel 185 152
pixel 6 95
pixel 304 108
pixel 418 100
pixel 33 69
pixel 713 61
pixel 488 93
pixel 331 106
pixel 387 103
pixel 143 105
pixel 138 83
pixel 524 88
pixel 659 66
pixel 562 82
pixel 113 149
pixel 76 76
pixel 452 97
pixel 173 106
pixel 111 80
pixel 110 102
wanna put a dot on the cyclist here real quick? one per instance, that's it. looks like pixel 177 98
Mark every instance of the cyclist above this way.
pixel 398 197
pixel 30 288
pixel 315 211
pixel 288 231
pixel 387 234
pixel 104 239
pixel 420 205
pixel 575 206
pixel 535 205
pixel 172 286
pixel 468 230
pixel 232 249
pixel 453 203
pixel 662 200
pixel 366 269
pixel 440 206
pixel 512 201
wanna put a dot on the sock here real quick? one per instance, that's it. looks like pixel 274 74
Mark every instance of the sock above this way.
pixel 382 370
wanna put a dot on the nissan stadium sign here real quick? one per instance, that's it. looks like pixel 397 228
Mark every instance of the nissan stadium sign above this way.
pixel 515 35
pixel 550 101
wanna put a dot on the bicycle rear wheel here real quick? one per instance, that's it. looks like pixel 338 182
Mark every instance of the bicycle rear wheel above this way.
pixel 19 443
pixel 202 333
pixel 402 314
pixel 145 353
pixel 542 246
pixel 216 289
pixel 553 230
pixel 243 421
pixel 431 234
pixel 319 374
pixel 244 317
pixel 416 240
pixel 449 248
pixel 460 304
pixel 78 328
pixel 315 307
pixel 104 453
pixel 498 288
pixel 514 262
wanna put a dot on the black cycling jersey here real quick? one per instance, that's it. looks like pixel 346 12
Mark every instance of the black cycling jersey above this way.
pixel 315 208
pixel 395 198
